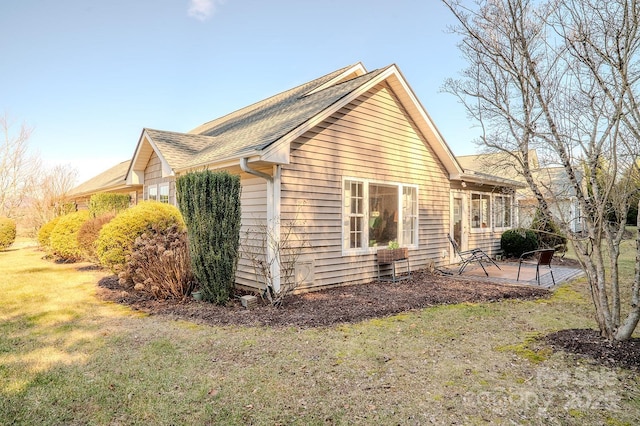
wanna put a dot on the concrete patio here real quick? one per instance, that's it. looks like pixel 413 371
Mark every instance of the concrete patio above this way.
pixel 508 273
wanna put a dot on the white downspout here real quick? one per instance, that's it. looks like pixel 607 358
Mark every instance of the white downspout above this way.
pixel 273 218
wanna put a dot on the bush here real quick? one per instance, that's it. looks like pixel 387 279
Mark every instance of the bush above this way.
pixel 7 232
pixel 548 233
pixel 88 235
pixel 44 233
pixel 514 242
pixel 117 237
pixel 105 203
pixel 64 237
pixel 159 264
pixel 210 203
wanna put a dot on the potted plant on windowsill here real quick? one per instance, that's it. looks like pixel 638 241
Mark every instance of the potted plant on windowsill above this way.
pixel 392 253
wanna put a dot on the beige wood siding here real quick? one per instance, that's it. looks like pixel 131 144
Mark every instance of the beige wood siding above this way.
pixel 371 138
pixel 153 176
pixel 253 202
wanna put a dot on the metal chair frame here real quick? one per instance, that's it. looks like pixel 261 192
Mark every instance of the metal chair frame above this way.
pixel 472 255
pixel 543 257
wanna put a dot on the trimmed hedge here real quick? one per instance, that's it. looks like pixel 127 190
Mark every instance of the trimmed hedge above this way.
pixel 514 242
pixel 44 233
pixel 7 232
pixel 117 237
pixel 64 237
pixel 210 203
pixel 100 204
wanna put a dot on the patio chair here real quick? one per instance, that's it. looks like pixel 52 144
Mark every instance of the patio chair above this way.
pixel 472 255
pixel 543 257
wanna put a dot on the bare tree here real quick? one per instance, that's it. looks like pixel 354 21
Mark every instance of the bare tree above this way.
pixel 562 77
pixel 18 168
pixel 48 197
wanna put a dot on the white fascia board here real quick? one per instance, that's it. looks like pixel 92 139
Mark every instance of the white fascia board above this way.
pixel 135 174
pixel 358 69
pixel 277 154
pixel 221 163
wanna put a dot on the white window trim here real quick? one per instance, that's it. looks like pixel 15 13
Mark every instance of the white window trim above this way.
pixel 164 185
pixel 506 196
pixel 365 237
pixel 147 195
pixel 489 227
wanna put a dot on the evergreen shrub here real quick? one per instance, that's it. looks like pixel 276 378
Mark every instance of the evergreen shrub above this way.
pixel 210 204
pixel 64 237
pixel 44 233
pixel 103 203
pixel 117 237
pixel 514 242
pixel 7 232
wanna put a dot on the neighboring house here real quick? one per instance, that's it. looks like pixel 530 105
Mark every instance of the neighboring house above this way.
pixel 111 180
pixel 351 159
pixel 552 182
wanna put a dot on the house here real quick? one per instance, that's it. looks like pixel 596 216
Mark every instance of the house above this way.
pixel 553 182
pixel 111 180
pixel 352 161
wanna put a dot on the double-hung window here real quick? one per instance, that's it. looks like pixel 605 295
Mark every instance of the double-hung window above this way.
pixel 480 211
pixel 164 192
pixel 376 213
pixel 502 211
pixel 153 193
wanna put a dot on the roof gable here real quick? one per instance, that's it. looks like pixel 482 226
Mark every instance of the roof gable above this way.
pixel 263 130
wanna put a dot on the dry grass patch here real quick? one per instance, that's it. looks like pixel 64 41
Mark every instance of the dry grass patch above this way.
pixel 68 358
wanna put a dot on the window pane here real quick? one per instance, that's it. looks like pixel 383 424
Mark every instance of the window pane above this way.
pixel 475 211
pixel 164 193
pixel 409 215
pixel 383 214
pixel 486 212
pixel 153 192
pixel 354 214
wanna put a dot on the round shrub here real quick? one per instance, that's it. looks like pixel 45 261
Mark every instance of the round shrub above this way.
pixel 116 237
pixel 64 237
pixel 514 242
pixel 159 264
pixel 44 233
pixel 7 232
pixel 88 235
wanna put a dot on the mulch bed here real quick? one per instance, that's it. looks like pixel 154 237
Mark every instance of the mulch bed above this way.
pixel 347 304
pixel 357 303
pixel 590 344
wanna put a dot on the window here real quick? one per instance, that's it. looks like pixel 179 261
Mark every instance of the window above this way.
pixel 354 213
pixel 503 211
pixel 164 193
pixel 153 193
pixel 378 213
pixel 480 211
pixel 409 215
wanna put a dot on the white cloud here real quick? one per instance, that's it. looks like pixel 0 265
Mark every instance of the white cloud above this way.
pixel 203 9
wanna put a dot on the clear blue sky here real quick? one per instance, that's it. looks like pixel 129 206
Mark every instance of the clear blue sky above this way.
pixel 89 75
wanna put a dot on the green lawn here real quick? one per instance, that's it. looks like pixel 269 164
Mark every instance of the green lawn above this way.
pixel 68 358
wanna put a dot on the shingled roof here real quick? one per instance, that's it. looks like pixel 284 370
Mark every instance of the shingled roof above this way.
pixel 109 180
pixel 257 126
